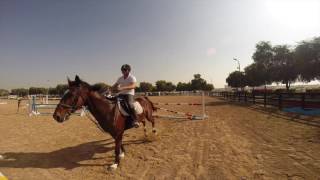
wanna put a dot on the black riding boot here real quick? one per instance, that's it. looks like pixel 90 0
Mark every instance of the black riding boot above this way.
pixel 134 118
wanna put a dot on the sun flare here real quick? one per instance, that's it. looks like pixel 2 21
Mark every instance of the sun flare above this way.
pixel 294 13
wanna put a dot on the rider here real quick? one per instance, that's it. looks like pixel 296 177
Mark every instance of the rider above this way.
pixel 126 85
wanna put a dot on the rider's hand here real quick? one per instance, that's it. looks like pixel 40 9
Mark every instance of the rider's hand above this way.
pixel 114 89
pixel 119 88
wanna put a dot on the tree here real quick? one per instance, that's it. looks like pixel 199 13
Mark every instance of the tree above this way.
pixel 20 92
pixel 162 85
pixel 52 91
pixel 4 92
pixel 307 55
pixel 37 90
pixel 284 68
pixel 170 86
pixel 263 57
pixel 236 79
pixel 208 87
pixel 253 76
pixel 101 87
pixel 183 86
pixel 146 87
pixel 61 88
pixel 197 83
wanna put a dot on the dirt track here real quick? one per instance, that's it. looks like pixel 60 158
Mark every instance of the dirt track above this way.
pixel 236 142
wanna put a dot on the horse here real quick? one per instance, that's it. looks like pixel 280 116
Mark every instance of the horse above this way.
pixel 106 112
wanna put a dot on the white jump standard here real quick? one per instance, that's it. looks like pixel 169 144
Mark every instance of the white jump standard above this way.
pixel 34 108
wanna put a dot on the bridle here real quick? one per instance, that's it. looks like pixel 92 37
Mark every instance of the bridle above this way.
pixel 74 107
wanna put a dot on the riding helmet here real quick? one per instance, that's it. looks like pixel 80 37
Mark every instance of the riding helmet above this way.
pixel 126 67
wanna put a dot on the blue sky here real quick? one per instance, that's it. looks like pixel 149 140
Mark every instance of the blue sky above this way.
pixel 42 42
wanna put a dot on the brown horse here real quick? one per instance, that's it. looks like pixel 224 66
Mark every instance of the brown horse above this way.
pixel 106 112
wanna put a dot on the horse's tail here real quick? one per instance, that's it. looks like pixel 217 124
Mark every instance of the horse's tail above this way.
pixel 151 103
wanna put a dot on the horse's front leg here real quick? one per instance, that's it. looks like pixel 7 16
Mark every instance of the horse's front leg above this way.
pixel 118 143
pixel 122 151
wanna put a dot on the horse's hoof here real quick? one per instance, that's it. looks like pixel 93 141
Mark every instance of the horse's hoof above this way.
pixel 154 132
pixel 121 155
pixel 113 167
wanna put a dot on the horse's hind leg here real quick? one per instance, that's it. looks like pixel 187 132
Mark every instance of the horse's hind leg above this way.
pixel 151 119
pixel 154 130
pixel 144 128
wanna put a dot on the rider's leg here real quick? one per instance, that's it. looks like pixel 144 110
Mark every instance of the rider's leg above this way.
pixel 130 101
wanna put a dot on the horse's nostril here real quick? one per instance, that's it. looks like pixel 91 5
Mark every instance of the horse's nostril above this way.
pixel 55 116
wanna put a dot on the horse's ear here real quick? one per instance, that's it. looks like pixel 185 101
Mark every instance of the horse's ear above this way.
pixel 69 82
pixel 77 79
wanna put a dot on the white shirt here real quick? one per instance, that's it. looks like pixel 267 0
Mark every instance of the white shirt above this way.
pixel 125 82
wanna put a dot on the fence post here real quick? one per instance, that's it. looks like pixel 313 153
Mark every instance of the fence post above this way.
pixel 245 97
pixel 280 100
pixel 265 98
pixel 253 98
pixel 30 105
pixel 34 103
pixel 203 106
pixel 303 100
pixel 239 94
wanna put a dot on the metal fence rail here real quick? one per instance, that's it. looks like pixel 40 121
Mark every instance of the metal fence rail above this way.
pixel 280 100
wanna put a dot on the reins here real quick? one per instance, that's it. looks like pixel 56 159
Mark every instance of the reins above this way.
pixel 94 121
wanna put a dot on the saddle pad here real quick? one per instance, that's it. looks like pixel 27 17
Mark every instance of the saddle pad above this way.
pixel 137 107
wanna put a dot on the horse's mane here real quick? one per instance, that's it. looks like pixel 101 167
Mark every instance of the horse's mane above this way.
pixel 99 90
pixel 96 88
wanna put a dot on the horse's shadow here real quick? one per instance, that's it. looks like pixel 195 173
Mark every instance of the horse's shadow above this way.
pixel 67 158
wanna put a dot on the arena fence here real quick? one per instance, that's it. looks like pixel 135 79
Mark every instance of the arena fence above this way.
pixel 280 100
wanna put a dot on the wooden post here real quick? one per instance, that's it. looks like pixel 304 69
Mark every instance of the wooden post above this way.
pixel 239 96
pixel 303 98
pixel 245 97
pixel 280 101
pixel 265 98
pixel 253 98
pixel 203 106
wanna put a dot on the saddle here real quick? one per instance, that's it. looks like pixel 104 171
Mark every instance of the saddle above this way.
pixel 124 106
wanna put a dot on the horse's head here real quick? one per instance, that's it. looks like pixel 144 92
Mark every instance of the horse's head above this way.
pixel 73 99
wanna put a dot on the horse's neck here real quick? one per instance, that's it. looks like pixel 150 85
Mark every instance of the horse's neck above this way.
pixel 100 108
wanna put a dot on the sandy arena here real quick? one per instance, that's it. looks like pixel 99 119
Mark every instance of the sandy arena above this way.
pixel 236 142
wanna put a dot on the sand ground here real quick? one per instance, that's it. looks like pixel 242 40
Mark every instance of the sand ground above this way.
pixel 235 142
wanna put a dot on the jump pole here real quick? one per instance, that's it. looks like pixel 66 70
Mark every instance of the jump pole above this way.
pixel 184 115
pixel 34 108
